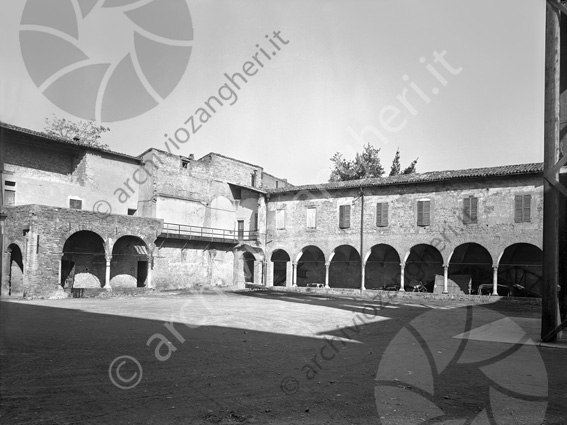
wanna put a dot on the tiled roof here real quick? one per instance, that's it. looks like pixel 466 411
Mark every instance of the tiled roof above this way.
pixel 433 176
pixel 65 141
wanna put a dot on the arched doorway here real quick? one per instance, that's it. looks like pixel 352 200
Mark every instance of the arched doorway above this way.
pixel 83 264
pixel 248 263
pixel 382 268
pixel 311 266
pixel 471 263
pixel 345 268
pixel 129 266
pixel 280 258
pixel 520 269
pixel 422 265
pixel 14 285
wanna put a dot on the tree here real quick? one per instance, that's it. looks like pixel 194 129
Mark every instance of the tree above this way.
pixel 86 133
pixel 365 165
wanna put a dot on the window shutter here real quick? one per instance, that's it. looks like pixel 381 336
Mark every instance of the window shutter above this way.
pixel 474 210
pixel 467 210
pixel 518 209
pixel 385 214
pixel 527 208
pixel 344 216
pixel 379 214
pixel 311 218
pixel 420 213
pixel 280 219
pixel 426 213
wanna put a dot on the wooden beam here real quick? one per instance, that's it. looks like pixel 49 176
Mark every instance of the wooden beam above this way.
pixel 551 195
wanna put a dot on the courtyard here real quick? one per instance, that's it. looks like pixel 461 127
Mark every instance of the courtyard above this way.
pixel 268 357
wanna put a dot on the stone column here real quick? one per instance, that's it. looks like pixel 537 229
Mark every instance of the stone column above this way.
pixel 327 266
pixel 363 276
pixel 270 273
pixel 257 272
pixel 149 276
pixel 494 280
pixel 402 270
pixel 288 273
pixel 294 275
pixel 445 279
pixel 107 273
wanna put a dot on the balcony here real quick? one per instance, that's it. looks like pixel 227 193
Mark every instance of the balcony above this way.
pixel 210 234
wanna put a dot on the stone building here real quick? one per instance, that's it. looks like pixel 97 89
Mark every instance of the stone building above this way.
pixel 84 217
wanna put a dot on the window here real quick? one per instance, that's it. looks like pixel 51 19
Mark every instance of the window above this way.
pixel 184 164
pixel 280 219
pixel 255 221
pixel 344 216
pixel 253 179
pixel 131 211
pixel 311 218
pixel 9 193
pixel 470 210
pixel 423 213
pixel 382 214
pixel 76 204
pixel 522 208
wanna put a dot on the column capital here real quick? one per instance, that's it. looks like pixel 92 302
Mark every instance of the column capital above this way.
pixel 108 258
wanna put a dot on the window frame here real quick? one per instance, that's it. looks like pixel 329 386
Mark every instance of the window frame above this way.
pixel 423 222
pixel 344 223
pixel 314 209
pixel 382 211
pixel 525 208
pixel 472 216
pixel 280 216
pixel 76 199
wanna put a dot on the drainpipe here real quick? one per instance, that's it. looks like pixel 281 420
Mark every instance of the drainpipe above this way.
pixel 362 288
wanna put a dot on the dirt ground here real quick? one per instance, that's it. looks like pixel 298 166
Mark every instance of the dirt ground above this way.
pixel 270 358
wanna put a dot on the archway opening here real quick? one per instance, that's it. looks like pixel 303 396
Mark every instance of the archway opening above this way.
pixel 83 264
pixel 129 266
pixel 471 267
pixel 311 267
pixel 345 268
pixel 422 265
pixel 15 273
pixel 382 268
pixel 520 270
pixel 248 264
pixel 280 258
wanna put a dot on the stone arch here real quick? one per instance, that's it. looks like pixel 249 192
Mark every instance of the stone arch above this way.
pixel 130 265
pixel 249 264
pixel 83 264
pixel 310 268
pixel 520 269
pixel 382 267
pixel 423 262
pixel 470 264
pixel 280 259
pixel 13 280
pixel 345 267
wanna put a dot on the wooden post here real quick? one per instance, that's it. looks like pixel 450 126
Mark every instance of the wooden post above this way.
pixel 549 319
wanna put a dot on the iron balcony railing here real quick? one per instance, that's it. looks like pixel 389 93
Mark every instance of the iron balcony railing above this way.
pixel 182 231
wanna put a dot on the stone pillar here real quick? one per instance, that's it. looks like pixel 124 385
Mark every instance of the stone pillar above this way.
pixel 107 273
pixel 402 270
pixel 257 272
pixel 327 265
pixel 294 275
pixel 494 280
pixel 270 273
pixel 445 279
pixel 149 276
pixel 363 276
pixel 288 273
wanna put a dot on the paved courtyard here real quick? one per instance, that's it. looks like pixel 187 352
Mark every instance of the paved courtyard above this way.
pixel 276 358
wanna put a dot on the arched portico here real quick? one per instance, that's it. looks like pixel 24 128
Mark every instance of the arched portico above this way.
pixel 345 268
pixel 280 269
pixel 471 264
pixel 130 263
pixel 310 267
pixel 382 267
pixel 83 264
pixel 423 263
pixel 13 274
pixel 520 270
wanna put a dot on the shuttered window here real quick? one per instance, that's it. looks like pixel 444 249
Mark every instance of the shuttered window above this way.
pixel 423 213
pixel 522 208
pixel 470 210
pixel 280 219
pixel 344 216
pixel 76 204
pixel 311 218
pixel 382 214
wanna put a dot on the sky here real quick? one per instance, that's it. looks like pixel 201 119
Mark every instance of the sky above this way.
pixel 458 84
